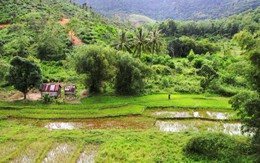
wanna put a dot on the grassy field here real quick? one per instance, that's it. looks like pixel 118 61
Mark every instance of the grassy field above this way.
pixel 108 129
pixel 109 106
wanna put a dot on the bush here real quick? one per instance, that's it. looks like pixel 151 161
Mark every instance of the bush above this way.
pixel 47 98
pixel 216 146
pixel 225 90
pixel 162 70
pixel 197 63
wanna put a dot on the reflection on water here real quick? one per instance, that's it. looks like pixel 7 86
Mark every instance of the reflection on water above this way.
pixel 219 115
pixel 173 114
pixel 179 126
pixel 171 127
pixel 197 114
pixel 88 157
pixel 60 125
pixel 59 154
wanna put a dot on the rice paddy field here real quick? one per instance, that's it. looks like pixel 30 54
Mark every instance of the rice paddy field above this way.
pixel 121 129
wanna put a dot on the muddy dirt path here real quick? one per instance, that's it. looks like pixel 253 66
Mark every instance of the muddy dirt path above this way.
pixel 75 40
pixel 4 25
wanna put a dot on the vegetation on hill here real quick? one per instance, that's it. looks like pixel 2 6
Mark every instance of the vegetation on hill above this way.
pixel 173 9
pixel 211 57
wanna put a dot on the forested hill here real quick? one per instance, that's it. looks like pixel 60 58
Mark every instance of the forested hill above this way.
pixel 174 9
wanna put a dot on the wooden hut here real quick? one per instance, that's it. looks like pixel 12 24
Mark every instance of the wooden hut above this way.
pixel 70 90
pixel 54 90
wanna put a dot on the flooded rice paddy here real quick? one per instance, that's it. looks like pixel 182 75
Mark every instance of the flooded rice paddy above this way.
pixel 106 123
pixel 189 121
pixel 60 153
pixel 194 114
pixel 231 128
pixel 88 155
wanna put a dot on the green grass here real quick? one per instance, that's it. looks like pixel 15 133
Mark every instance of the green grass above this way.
pixel 140 141
pixel 110 106
pixel 113 145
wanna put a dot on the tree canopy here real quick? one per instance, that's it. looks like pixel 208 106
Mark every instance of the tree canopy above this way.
pixel 24 75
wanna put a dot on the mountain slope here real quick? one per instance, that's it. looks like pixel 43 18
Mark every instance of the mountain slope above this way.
pixel 174 9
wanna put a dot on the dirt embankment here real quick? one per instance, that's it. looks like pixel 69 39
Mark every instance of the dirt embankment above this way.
pixel 75 40
pixel 4 25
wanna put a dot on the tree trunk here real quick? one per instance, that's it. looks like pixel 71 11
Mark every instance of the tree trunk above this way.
pixel 24 96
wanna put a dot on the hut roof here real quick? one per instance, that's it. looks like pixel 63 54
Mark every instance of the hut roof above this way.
pixel 47 87
pixel 70 88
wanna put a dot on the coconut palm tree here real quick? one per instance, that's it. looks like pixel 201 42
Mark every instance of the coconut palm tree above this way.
pixel 140 41
pixel 155 41
pixel 123 43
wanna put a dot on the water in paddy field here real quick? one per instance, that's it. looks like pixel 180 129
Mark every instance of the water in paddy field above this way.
pixel 88 156
pixel 198 125
pixel 61 125
pixel 106 123
pixel 60 153
pixel 196 114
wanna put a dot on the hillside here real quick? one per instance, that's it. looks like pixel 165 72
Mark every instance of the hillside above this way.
pixel 76 86
pixel 174 9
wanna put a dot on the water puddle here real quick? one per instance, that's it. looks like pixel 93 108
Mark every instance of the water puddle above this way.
pixel 190 114
pixel 61 125
pixel 174 127
pixel 219 115
pixel 199 125
pixel 173 114
pixel 88 156
pixel 61 153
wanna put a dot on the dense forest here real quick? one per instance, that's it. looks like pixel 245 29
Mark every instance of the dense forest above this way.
pixel 45 41
pixel 174 9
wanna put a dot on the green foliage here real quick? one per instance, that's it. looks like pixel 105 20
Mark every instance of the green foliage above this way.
pixel 174 9
pixel 47 98
pixel 181 47
pixel 225 27
pixel 130 75
pixel 122 42
pixel 4 70
pixel 24 75
pixel 97 63
pixel 52 43
pixel 208 73
pixel 215 147
pixel 140 41
pixel 244 39
pixel 248 103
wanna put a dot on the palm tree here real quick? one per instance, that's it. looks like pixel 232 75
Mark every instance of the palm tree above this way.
pixel 155 41
pixel 123 43
pixel 140 41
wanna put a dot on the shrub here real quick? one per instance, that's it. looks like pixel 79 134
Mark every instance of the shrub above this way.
pixel 47 98
pixel 216 146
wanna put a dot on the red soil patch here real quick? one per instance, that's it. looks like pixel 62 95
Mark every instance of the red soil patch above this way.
pixel 64 21
pixel 75 40
pixel 4 25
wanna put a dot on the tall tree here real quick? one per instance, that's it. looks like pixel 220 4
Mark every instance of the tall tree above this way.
pixel 123 43
pixel 155 41
pixel 140 41
pixel 97 63
pixel 24 75
pixel 130 75
pixel 248 103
